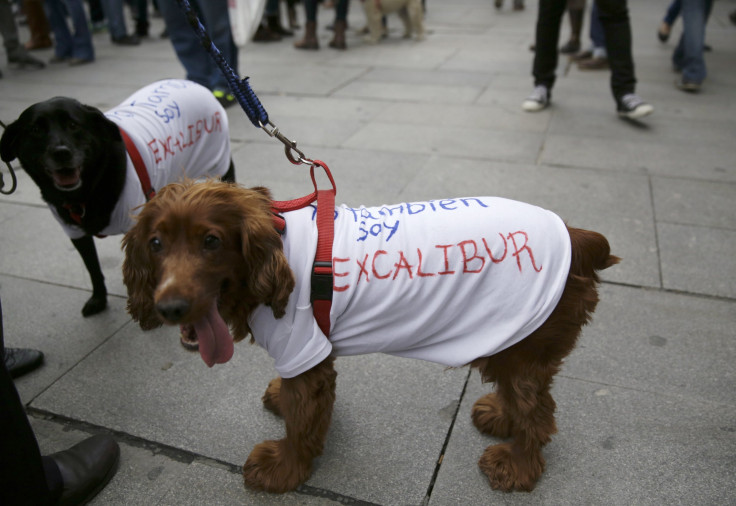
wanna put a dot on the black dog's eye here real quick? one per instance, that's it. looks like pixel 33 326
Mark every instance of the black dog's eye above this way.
pixel 72 125
pixel 155 244
pixel 37 130
pixel 212 242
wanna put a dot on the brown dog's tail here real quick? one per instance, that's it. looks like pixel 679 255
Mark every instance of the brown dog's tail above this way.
pixel 590 253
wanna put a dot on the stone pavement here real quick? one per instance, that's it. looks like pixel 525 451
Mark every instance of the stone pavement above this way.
pixel 646 404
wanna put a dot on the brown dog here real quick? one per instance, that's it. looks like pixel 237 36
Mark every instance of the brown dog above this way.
pixel 502 286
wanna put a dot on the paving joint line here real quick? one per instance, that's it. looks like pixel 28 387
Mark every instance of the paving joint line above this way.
pixel 179 455
pixel 450 429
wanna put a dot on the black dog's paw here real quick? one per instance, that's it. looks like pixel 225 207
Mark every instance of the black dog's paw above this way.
pixel 94 305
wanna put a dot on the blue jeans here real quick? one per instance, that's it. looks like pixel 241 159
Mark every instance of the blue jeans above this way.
pixel 113 10
pixel 688 55
pixel 68 45
pixel 197 62
pixel 596 28
pixel 672 12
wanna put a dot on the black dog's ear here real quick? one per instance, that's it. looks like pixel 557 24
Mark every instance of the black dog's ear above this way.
pixel 9 142
pixel 102 125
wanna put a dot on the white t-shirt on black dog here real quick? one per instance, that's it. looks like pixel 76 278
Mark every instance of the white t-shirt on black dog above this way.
pixel 180 131
pixel 446 281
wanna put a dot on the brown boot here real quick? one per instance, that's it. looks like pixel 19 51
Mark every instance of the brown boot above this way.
pixel 38 25
pixel 338 41
pixel 310 37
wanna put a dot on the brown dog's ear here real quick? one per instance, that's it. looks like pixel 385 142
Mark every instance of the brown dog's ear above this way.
pixel 9 142
pixel 270 279
pixel 138 276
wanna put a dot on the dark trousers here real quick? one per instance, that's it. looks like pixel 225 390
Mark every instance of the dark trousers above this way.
pixel 22 476
pixel 614 16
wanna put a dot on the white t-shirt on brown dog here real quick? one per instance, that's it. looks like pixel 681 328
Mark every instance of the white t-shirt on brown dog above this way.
pixel 446 281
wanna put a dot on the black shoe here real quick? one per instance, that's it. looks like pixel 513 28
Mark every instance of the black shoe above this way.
pixel 19 361
pixel 22 58
pixel 571 47
pixel 59 59
pixel 74 62
pixel 86 468
pixel 127 40
pixel 141 29
pixel 688 86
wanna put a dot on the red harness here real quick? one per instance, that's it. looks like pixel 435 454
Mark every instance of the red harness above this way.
pixel 322 279
pixel 78 210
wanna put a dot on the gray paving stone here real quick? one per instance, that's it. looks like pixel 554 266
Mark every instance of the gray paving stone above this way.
pixel 698 259
pixel 615 446
pixel 700 203
pixel 668 344
pixel 48 317
pixel 44 251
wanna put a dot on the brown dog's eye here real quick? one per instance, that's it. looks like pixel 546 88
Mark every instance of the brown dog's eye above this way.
pixel 155 244
pixel 211 242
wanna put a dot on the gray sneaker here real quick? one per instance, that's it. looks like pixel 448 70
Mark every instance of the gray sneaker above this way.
pixel 538 100
pixel 632 106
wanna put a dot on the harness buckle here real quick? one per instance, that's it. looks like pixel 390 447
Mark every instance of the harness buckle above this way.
pixel 321 281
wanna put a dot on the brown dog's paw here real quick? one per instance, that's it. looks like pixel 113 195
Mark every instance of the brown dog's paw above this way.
pixel 508 468
pixel 488 417
pixel 271 397
pixel 271 469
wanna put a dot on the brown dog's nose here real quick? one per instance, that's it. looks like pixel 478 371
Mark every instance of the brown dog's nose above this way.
pixel 173 310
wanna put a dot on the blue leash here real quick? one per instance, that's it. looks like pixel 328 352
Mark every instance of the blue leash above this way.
pixel 240 88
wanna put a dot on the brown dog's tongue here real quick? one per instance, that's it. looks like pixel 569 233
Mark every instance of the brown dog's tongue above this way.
pixel 215 341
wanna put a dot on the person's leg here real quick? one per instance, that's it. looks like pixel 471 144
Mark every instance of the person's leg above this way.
pixel 141 24
pixel 217 22
pixel 115 19
pixel 310 40
pixel 193 57
pixel 22 476
pixel 341 25
pixel 672 12
pixel 37 24
pixel 341 10
pixel 63 44
pixel 688 55
pixel 96 14
pixel 597 35
pixel 575 14
pixel 614 16
pixel 547 36
pixel 82 48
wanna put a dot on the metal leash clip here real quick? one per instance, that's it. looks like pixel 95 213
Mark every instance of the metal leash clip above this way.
pixel 290 146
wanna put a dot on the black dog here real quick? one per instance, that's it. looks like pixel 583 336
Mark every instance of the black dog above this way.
pixel 87 173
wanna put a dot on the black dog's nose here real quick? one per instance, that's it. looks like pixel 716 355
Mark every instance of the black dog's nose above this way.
pixel 173 310
pixel 61 154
